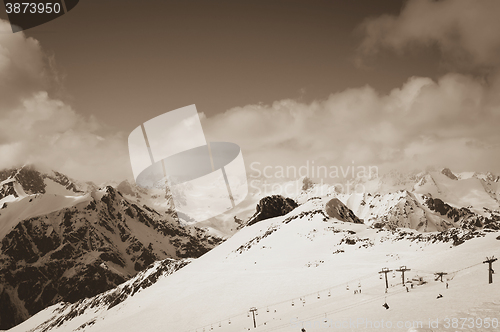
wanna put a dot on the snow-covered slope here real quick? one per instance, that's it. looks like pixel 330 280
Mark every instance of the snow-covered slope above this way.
pixel 303 267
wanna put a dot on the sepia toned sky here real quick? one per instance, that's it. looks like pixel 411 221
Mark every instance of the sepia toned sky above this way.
pixel 398 84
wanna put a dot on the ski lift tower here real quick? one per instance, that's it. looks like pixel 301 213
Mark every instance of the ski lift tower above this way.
pixel 385 271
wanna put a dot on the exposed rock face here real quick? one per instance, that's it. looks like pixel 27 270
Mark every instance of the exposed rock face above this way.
pixel 32 181
pixel 463 217
pixel 272 206
pixel 449 173
pixel 336 209
pixel 6 189
pixel 84 250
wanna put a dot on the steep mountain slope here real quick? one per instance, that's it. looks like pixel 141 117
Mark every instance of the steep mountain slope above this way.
pixel 64 248
pixel 297 269
pixel 336 209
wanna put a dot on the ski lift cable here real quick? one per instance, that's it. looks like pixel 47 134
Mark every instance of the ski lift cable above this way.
pixel 453 272
pixel 341 284
pixel 314 293
pixel 279 327
pixel 321 290
pixel 303 296
pixel 359 278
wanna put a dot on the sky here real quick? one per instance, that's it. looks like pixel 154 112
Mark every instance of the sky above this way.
pixel 397 84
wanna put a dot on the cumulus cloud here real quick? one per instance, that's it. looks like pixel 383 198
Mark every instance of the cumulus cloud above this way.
pixel 450 122
pixel 453 121
pixel 38 129
pixel 465 31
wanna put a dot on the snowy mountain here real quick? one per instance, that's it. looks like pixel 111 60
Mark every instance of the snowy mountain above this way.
pixel 309 268
pixel 295 269
pixel 157 199
pixel 35 182
pixel 58 243
pixel 424 201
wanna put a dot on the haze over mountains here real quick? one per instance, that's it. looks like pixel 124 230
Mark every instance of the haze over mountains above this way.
pixel 304 249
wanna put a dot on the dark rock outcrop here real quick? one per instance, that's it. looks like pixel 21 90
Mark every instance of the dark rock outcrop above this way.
pixel 336 209
pixel 271 207
pixel 463 217
pixel 449 173
pixel 7 189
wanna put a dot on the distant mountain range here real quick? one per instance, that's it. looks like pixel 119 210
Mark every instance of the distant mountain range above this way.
pixel 300 258
pixel 431 221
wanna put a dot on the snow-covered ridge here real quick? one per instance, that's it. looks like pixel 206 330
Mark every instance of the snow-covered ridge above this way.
pixel 33 181
pixel 79 311
pixel 301 266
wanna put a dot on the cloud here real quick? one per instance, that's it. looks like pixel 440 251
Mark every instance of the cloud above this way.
pixel 450 122
pixel 35 128
pixel 22 66
pixel 465 31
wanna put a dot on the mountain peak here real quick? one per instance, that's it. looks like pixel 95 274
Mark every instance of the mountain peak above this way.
pixel 35 181
pixel 272 206
pixel 336 209
pixel 449 173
